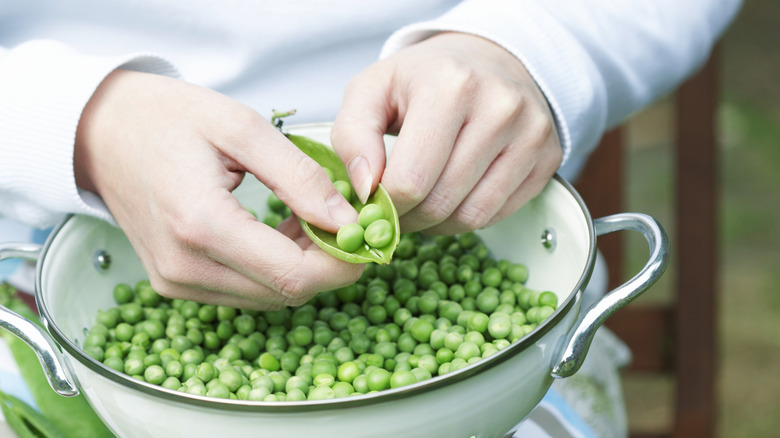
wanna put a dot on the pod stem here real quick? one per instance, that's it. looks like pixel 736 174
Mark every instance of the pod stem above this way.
pixel 276 118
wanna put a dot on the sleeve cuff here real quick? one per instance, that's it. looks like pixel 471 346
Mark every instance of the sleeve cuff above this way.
pixel 44 87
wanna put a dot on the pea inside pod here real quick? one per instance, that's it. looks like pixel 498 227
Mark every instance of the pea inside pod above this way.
pixel 380 199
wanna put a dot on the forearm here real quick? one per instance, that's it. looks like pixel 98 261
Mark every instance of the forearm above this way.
pixel 44 87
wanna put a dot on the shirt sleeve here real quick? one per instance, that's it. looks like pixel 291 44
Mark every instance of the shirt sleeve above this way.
pixel 597 61
pixel 44 86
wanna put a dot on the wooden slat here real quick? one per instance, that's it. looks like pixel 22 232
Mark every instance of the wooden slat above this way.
pixel 682 337
pixel 601 185
pixel 696 253
pixel 648 435
pixel 649 333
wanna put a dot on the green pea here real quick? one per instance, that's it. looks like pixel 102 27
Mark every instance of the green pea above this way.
pixel 296 382
pixel 350 237
pixel 348 371
pixel 258 394
pixel 402 378
pixel 230 378
pixel 274 203
pixel 345 188
pixel 453 340
pixel 244 324
pixel 153 328
pixel 478 322
pixel 115 363
pixel 321 393
pixel 499 326
pixel 134 366
pixel 378 379
pixel 421 330
pixel 147 296
pixel 370 213
pixel 544 313
pixel 172 383
pixel 548 299
pixel 109 318
pixel 124 332
pixel 379 233
pixel 123 293
pixel 268 362
pixel 488 300
pixel 230 352
pixel 517 273
pixel 131 313
pixel 207 313
pixel 154 374
pixel 428 302
pixel 492 277
pixel 218 390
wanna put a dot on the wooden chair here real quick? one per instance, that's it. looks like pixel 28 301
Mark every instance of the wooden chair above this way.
pixel 678 338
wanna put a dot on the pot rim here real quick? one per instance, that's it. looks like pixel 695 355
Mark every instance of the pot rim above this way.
pixel 316 405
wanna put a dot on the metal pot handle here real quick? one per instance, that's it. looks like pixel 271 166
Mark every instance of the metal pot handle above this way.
pixel 576 346
pixel 48 352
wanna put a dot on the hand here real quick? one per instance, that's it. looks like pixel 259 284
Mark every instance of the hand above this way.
pixel 165 156
pixel 476 138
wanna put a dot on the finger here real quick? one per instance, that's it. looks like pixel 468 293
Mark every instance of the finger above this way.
pixel 430 128
pixel 359 127
pixel 515 168
pixel 475 149
pixel 189 275
pixel 295 178
pixel 485 199
pixel 273 260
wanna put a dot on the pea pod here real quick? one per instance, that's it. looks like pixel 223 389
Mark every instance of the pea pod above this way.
pixel 327 158
pixel 71 415
pixel 26 421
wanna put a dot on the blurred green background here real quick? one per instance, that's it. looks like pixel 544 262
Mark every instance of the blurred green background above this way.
pixel 749 278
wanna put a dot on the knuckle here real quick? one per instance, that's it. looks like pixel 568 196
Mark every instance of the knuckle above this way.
pixel 437 207
pixel 298 300
pixel 541 126
pixel 459 74
pixel 189 232
pixel 409 188
pixel 240 127
pixel 306 173
pixel 507 104
pixel 473 217
pixel 288 283
pixel 168 273
pixel 452 84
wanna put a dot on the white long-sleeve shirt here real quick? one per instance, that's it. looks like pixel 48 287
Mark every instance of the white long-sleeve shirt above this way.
pixel 596 61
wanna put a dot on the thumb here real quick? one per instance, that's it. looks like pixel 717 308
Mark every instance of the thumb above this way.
pixel 357 133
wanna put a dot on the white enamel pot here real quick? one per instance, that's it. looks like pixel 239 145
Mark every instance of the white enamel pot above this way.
pixel 553 235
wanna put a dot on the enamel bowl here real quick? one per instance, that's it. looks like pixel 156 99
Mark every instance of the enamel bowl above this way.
pixel 554 235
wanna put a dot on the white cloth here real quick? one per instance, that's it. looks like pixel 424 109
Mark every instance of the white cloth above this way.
pixel 596 61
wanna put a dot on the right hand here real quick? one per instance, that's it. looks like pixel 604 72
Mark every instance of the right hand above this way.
pixel 165 156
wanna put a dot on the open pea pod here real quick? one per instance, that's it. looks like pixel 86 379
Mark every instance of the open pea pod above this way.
pixel 326 157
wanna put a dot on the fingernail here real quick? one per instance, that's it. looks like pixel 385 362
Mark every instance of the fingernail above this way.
pixel 360 175
pixel 339 209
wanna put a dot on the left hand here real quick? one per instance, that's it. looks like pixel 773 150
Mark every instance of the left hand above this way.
pixel 476 138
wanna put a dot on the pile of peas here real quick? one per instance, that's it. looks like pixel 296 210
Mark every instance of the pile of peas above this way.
pixel 441 304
